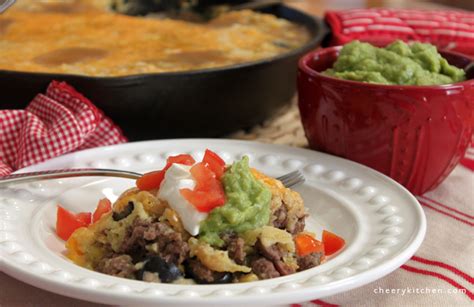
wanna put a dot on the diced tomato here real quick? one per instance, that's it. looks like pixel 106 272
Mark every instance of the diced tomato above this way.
pixel 67 222
pixel 103 207
pixel 203 175
pixel 203 201
pixel 152 180
pixel 181 159
pixel 214 162
pixel 208 192
pixel 84 217
pixel 332 243
pixel 306 244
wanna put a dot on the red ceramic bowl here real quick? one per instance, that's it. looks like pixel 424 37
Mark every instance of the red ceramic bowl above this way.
pixel 414 134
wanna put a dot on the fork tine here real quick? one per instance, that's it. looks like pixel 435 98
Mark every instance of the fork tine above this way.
pixel 292 179
pixel 295 181
pixel 288 176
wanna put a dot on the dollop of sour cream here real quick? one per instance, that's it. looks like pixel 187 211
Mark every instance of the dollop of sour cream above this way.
pixel 179 177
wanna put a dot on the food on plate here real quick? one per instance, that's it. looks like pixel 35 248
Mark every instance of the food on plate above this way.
pixel 85 38
pixel 398 63
pixel 197 222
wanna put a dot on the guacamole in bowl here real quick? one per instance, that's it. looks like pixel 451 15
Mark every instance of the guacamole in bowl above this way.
pixel 397 64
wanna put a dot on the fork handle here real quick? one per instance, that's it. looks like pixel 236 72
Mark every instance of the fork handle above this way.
pixel 66 173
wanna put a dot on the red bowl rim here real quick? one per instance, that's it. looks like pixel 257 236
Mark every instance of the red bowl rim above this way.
pixel 304 67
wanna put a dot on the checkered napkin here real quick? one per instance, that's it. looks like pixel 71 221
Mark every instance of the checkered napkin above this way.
pixel 447 29
pixel 55 123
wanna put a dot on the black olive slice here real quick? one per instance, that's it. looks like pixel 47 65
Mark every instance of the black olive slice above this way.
pixel 117 216
pixel 223 278
pixel 168 272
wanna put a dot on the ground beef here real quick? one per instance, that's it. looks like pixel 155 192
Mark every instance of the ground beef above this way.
pixel 283 268
pixel 299 225
pixel 272 253
pixel 203 275
pixel 120 266
pixel 171 246
pixel 235 247
pixel 309 261
pixel 200 271
pixel 264 268
pixel 134 241
pixel 275 254
pixel 280 217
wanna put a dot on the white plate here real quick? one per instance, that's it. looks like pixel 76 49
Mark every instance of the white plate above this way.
pixel 382 223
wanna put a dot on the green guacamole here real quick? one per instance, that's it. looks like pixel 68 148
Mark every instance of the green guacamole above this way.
pixel 398 63
pixel 247 205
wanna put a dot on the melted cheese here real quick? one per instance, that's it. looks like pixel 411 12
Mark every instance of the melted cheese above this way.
pixel 101 43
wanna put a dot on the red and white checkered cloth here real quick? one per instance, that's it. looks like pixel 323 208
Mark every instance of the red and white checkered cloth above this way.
pixel 55 123
pixel 447 29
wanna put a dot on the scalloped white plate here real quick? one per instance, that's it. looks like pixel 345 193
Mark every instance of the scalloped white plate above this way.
pixel 382 223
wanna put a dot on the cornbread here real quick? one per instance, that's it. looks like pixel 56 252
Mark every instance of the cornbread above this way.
pixel 91 41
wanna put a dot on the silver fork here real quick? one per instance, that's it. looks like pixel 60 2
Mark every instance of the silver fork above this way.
pixel 289 180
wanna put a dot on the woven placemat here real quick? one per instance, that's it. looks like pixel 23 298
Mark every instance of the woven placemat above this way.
pixel 283 128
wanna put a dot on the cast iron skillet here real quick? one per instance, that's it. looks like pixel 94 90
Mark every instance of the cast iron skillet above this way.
pixel 203 103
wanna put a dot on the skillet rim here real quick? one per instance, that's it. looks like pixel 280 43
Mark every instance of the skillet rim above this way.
pixel 316 25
